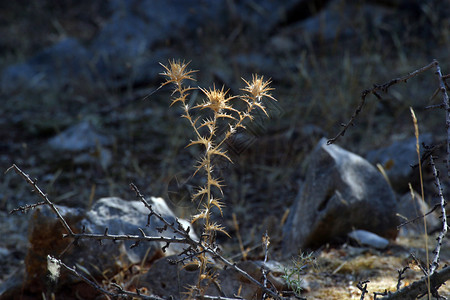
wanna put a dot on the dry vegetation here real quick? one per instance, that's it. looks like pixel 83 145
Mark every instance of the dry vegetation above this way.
pixel 322 83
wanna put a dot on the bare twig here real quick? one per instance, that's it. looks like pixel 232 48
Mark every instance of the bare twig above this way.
pixel 383 88
pixel 419 287
pixel 121 292
pixel 376 294
pixel 265 244
pixel 211 251
pixel 195 246
pixel 419 217
pixel 43 196
pixel 442 234
pixel 401 277
pixel 362 286
pixel 445 101
pixel 27 207
pixel 131 295
pixel 179 229
pixel 419 264
pixel 217 298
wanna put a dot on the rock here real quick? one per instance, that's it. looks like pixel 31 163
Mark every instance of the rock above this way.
pixel 46 238
pixel 13 285
pixel 231 281
pixel 397 160
pixel 126 49
pixel 369 239
pixel 166 279
pixel 410 207
pixel 93 258
pixel 60 65
pixel 82 144
pixel 80 137
pixel 126 217
pixel 342 192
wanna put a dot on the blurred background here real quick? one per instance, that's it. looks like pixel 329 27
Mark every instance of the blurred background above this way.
pixel 81 111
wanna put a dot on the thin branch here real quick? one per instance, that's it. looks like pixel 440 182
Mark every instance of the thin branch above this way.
pixel 216 297
pixel 442 234
pixel 186 239
pixel 121 291
pixel 265 244
pixel 419 264
pixel 74 272
pixel 26 207
pixel 242 272
pixel 209 249
pixel 419 287
pixel 179 229
pixel 362 286
pixel 43 196
pixel 445 101
pixel 419 217
pixel 401 277
pixel 128 237
pixel 384 88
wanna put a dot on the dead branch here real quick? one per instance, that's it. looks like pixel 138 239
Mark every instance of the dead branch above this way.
pixel 43 196
pixel 443 233
pixel 379 87
pixel 419 287
pixel 196 247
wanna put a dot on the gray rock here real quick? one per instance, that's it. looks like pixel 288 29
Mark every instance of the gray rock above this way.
pixel 397 160
pixel 170 280
pixel 128 47
pixel 80 137
pixel 369 239
pixel 164 278
pixel 55 67
pixel 342 192
pixel 81 144
pixel 410 207
pixel 93 258
pixel 46 238
pixel 126 217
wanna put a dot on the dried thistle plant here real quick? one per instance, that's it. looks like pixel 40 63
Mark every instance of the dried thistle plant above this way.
pixel 218 111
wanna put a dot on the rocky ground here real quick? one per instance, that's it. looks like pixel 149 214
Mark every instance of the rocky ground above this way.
pixel 65 79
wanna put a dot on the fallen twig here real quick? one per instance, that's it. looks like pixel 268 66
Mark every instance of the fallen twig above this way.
pixel 419 287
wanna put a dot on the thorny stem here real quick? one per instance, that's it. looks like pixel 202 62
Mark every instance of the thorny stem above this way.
pixel 214 253
pixel 362 286
pixel 121 291
pixel 265 244
pixel 443 233
pixel 382 87
pixel 180 230
pixel 419 287
pixel 43 196
pixel 445 101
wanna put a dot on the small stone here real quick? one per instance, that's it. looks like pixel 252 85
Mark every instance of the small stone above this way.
pixel 80 137
pixel 369 239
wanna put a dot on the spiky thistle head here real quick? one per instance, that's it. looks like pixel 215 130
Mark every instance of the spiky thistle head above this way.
pixel 217 100
pixel 177 71
pixel 257 88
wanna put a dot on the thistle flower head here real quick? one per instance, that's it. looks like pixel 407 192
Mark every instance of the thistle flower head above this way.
pixel 216 100
pixel 176 72
pixel 258 88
